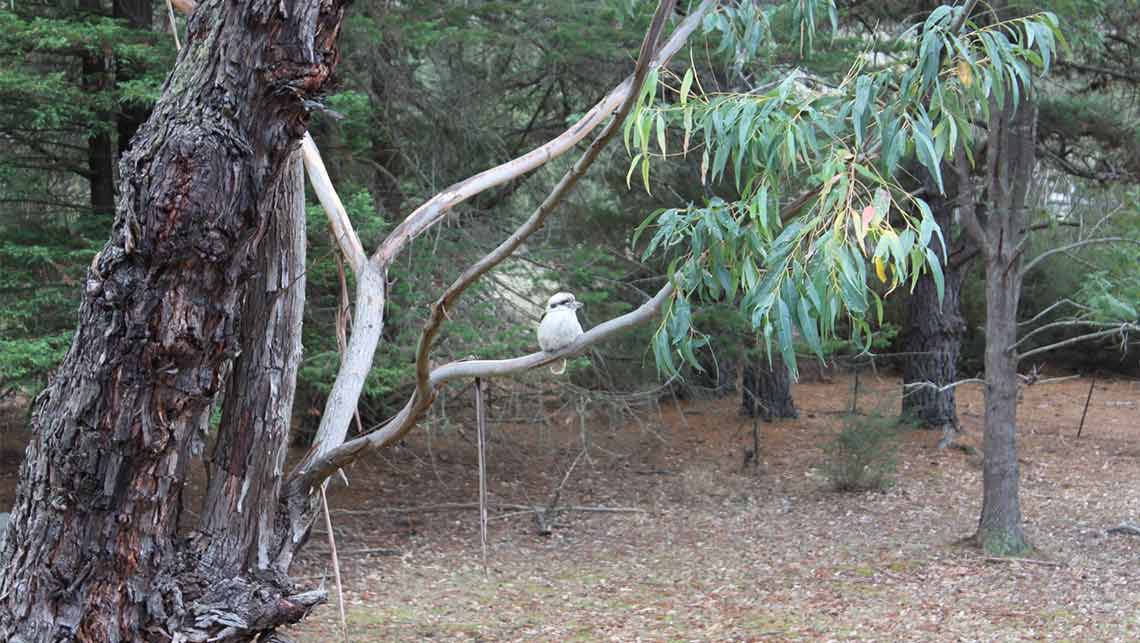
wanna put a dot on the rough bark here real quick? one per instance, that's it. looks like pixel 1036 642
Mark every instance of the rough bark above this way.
pixel 237 530
pixel 933 343
pixel 766 390
pixel 933 337
pixel 91 553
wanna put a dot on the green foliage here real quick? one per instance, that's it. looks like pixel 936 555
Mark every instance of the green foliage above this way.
pixel 864 456
pixel 60 73
pixel 806 271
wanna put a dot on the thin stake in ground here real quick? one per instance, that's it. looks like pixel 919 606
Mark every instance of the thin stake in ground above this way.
pixel 481 442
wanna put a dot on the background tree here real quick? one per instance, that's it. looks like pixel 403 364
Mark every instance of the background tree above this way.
pixel 63 73
pixel 845 229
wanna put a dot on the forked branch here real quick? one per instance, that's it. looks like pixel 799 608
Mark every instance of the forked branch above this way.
pixel 342 228
pixel 312 472
pixel 331 452
pixel 435 209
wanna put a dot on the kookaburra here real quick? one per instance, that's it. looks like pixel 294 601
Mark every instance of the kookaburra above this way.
pixel 559 326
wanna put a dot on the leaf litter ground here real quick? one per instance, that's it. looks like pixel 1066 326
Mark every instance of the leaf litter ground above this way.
pixel 731 552
pixel 727 551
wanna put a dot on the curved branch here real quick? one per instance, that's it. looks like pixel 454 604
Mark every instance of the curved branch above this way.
pixel 438 206
pixel 552 200
pixel 331 452
pixel 1121 330
pixel 1064 323
pixel 1051 307
pixel 313 470
pixel 341 226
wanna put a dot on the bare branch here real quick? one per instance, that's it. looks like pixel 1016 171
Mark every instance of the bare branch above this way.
pixel 912 387
pixel 1073 246
pixel 1065 323
pixel 1122 330
pixel 536 219
pixel 362 345
pixel 368 324
pixel 1051 307
pixel 342 228
pixel 438 206
pixel 315 469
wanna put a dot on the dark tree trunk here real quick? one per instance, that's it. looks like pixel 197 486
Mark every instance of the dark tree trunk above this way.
pixel 92 553
pixel 100 151
pixel 933 339
pixel 767 390
pixel 139 14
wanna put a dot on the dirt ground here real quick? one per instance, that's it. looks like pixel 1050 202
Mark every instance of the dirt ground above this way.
pixel 717 549
pixel 722 551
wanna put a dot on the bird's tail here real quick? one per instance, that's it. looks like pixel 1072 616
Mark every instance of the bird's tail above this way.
pixel 559 372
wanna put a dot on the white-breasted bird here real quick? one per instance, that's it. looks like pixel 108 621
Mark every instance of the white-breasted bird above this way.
pixel 559 326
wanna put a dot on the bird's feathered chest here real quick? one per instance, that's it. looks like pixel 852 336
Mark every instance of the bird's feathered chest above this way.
pixel 558 328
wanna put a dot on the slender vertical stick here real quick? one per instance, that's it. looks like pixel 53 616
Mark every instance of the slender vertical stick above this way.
pixel 481 434
pixel 1086 411
pixel 336 564
pixel 173 24
pixel 855 392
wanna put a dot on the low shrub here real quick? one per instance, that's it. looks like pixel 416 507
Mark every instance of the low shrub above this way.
pixel 864 456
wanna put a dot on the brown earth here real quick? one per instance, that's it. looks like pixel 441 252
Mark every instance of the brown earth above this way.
pixel 721 550
pixel 728 552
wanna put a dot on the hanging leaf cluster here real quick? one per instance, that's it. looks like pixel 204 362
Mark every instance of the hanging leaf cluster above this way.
pixel 803 270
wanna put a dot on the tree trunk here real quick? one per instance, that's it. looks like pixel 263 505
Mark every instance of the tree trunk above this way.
pixel 100 152
pixel 1012 145
pixel 999 530
pixel 933 342
pixel 934 329
pixel 237 528
pixel 139 14
pixel 767 390
pixel 91 553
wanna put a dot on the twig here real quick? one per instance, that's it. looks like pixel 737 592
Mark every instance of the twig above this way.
pixel 1126 529
pixel 938 389
pixel 336 564
pixel 173 25
pixel 1121 330
pixel 1088 399
pixel 1027 561
pixel 1072 246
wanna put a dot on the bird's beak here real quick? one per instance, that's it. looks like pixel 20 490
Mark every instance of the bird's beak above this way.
pixel 578 305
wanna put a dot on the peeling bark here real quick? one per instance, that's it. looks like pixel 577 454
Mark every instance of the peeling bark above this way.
pixel 91 553
pixel 237 529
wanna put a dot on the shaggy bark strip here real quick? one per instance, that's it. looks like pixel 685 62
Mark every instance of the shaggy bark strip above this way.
pixel 91 552
pixel 237 529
